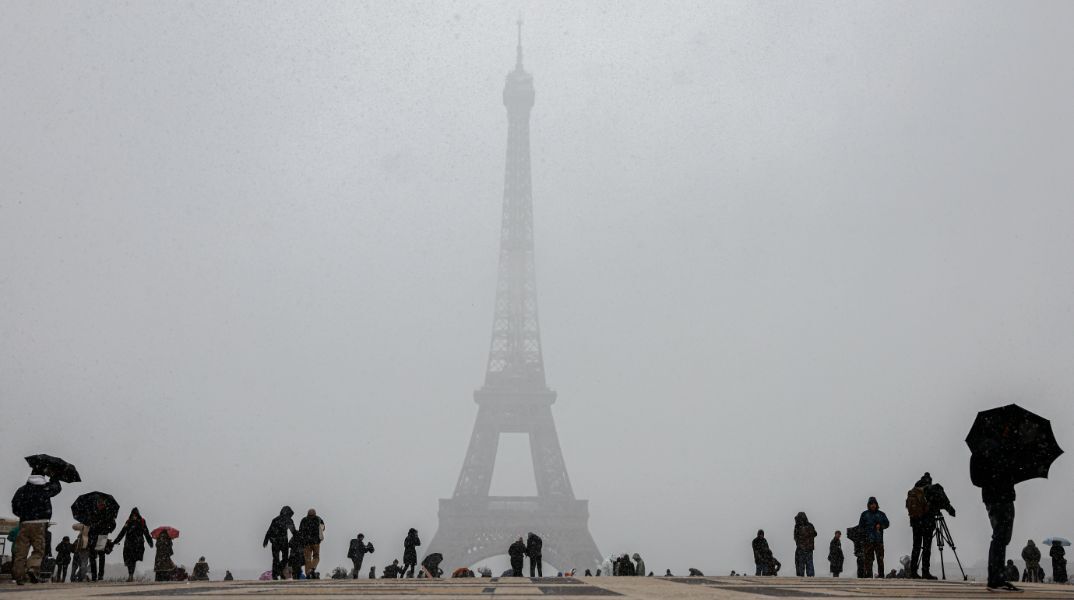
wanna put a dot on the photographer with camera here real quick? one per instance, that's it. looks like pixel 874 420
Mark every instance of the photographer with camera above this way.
pixel 924 502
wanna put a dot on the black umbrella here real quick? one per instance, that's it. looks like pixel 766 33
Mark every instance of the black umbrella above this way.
pixel 1010 445
pixel 56 468
pixel 96 509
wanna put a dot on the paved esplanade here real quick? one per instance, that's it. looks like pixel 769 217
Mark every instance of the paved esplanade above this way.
pixel 650 588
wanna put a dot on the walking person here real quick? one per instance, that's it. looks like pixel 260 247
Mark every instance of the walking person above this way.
pixel 163 566
pixel 277 536
pixel 534 543
pixel 64 550
pixel 99 547
pixel 804 541
pixel 515 552
pixel 761 552
pixel 357 551
pixel 1031 556
pixel 136 532
pixel 32 504
pixel 80 560
pixel 873 522
pixel 1059 562
pixel 311 530
pixel 835 554
pixel 410 552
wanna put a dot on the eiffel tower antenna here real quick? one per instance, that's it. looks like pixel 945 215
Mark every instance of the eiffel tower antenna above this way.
pixel 475 526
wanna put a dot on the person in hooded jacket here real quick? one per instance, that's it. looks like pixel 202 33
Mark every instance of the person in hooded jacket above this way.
pixel 200 571
pixel 761 552
pixel 32 504
pixel 804 543
pixel 1031 554
pixel 534 543
pixel 1059 562
pixel 515 552
pixel 136 532
pixel 277 536
pixel 311 530
pixel 626 568
pixel 410 552
pixel 835 554
pixel 873 522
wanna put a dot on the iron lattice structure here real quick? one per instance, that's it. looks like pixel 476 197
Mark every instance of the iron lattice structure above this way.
pixel 475 526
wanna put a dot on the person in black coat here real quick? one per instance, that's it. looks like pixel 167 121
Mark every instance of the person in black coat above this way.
pixel 761 552
pixel 64 551
pixel 998 495
pixel 410 553
pixel 835 554
pixel 515 552
pixel 533 550
pixel 277 536
pixel 32 504
pixel 357 551
pixel 1059 563
pixel 295 556
pixel 311 530
pixel 136 533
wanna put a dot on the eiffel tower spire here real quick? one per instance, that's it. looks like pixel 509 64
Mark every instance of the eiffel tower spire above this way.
pixel 515 359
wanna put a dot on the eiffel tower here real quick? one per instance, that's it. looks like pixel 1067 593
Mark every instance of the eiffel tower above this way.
pixel 475 526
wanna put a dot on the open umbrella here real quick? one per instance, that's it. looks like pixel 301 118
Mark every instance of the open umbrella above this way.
pixel 1052 540
pixel 96 509
pixel 55 468
pixel 172 532
pixel 1010 445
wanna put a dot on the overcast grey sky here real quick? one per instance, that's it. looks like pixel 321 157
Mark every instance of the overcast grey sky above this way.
pixel 785 251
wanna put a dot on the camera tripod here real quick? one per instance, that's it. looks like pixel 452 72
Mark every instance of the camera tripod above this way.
pixel 943 534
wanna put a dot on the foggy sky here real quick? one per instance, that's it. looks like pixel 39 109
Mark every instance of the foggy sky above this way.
pixel 785 252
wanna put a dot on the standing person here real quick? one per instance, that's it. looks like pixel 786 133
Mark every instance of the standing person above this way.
pixel 997 493
pixel 626 568
pixel 201 570
pixel 923 505
pixel 639 565
pixel 63 558
pixel 1031 554
pixel 357 551
pixel 835 554
pixel 32 504
pixel 1059 562
pixel 761 553
pixel 163 566
pixel 804 536
pixel 534 544
pixel 410 553
pixel 80 562
pixel 277 536
pixel 136 533
pixel 311 530
pixel 516 551
pixel 873 522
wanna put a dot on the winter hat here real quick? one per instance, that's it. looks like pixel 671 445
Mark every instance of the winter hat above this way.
pixel 872 500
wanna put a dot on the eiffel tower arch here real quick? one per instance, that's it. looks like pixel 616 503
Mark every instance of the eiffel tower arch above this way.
pixel 475 526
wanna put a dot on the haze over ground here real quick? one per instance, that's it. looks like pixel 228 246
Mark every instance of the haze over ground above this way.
pixel 785 252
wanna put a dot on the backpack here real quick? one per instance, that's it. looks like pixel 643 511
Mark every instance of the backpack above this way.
pixel 916 505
